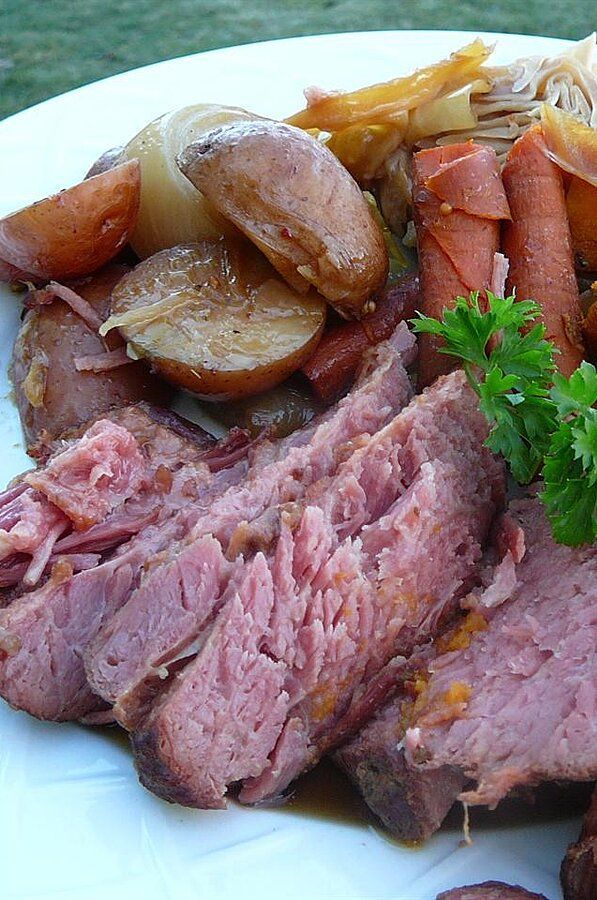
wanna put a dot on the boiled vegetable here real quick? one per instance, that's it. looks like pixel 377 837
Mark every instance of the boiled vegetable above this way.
pixel 298 204
pixel 459 200
pixel 52 395
pixel 387 102
pixel 172 211
pixel 335 361
pixel 215 318
pixel 77 231
pixel 538 245
pixel 581 204
pixel 279 411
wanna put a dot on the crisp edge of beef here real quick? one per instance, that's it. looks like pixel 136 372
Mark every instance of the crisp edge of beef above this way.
pixel 578 873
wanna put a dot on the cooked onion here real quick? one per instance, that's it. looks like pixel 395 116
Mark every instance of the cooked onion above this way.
pixel 172 210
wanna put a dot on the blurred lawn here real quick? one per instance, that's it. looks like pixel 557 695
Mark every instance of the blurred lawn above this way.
pixel 50 46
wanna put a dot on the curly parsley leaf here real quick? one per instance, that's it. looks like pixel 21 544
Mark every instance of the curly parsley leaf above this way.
pixel 570 470
pixel 510 371
pixel 539 420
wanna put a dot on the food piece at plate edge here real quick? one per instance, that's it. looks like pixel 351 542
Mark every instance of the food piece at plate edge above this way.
pixel 290 195
pixel 51 395
pixel 106 161
pixel 215 318
pixel 77 231
pixel 490 890
pixel 459 201
pixel 538 245
pixel 578 873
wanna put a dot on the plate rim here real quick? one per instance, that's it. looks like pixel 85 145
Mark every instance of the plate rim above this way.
pixel 222 51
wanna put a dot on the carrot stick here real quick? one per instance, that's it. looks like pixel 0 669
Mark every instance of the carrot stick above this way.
pixel 459 200
pixel 581 203
pixel 336 359
pixel 538 244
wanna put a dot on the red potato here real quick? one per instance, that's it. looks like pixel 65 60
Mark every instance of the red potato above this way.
pixel 335 362
pixel 295 201
pixel 108 160
pixel 51 395
pixel 458 200
pixel 77 231
pixel 538 244
pixel 215 318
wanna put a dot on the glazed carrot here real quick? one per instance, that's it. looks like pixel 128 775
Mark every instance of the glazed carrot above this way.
pixel 336 359
pixel 581 203
pixel 459 200
pixel 538 244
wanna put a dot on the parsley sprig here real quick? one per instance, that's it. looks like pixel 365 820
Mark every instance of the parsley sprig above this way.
pixel 538 419
pixel 570 470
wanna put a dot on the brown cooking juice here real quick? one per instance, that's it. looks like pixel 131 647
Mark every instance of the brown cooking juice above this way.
pixel 326 793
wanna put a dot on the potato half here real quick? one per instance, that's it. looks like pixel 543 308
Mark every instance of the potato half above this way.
pixel 290 195
pixel 172 210
pixel 216 319
pixel 77 231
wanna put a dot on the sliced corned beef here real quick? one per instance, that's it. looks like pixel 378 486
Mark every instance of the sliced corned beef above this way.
pixel 411 804
pixel 230 736
pixel 164 436
pixel 519 705
pixel 579 868
pixel 46 631
pixel 35 532
pixel 163 619
pixel 142 447
pixel 94 476
pixel 510 698
pixel 346 585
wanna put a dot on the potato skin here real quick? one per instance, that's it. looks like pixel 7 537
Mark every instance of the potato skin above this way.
pixel 77 231
pixel 293 198
pixel 171 210
pixel 109 159
pixel 55 335
pixel 222 385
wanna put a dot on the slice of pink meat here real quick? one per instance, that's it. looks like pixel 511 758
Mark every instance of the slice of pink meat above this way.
pixel 94 476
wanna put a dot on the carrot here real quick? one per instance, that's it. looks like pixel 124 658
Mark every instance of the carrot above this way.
pixel 459 200
pixel 336 359
pixel 581 203
pixel 538 244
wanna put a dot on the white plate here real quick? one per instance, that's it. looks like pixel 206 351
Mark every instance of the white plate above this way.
pixel 73 821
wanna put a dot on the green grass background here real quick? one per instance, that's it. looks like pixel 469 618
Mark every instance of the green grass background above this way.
pixel 50 46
